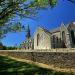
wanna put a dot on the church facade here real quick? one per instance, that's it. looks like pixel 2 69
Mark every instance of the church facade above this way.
pixel 61 37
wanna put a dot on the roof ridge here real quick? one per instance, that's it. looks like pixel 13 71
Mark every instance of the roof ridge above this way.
pixel 44 29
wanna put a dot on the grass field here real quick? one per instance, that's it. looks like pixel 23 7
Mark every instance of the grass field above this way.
pixel 12 67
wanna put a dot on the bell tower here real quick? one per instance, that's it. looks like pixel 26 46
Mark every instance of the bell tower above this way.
pixel 28 32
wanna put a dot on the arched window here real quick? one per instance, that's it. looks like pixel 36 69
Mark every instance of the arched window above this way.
pixel 54 41
pixel 60 40
pixel 53 38
pixel 57 39
pixel 63 37
pixel 73 36
pixel 38 36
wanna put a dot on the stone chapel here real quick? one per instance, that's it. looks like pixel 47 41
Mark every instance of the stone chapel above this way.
pixel 61 37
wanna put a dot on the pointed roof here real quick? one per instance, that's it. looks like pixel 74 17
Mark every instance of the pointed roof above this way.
pixel 55 30
pixel 62 24
pixel 45 30
pixel 72 23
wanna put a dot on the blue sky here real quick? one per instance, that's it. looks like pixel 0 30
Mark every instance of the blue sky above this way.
pixel 49 18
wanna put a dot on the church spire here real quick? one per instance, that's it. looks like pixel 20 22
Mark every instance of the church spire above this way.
pixel 28 32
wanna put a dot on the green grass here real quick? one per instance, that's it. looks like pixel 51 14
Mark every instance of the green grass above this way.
pixel 12 67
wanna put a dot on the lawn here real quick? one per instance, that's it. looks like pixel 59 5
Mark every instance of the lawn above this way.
pixel 12 67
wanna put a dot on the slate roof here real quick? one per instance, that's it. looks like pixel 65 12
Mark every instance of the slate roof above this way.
pixel 45 30
pixel 71 23
pixel 55 30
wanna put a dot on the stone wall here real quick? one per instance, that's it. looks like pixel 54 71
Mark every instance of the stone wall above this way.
pixel 58 59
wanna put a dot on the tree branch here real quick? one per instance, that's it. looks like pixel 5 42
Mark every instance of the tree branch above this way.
pixel 72 1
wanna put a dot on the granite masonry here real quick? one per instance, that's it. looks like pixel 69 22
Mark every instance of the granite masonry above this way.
pixel 61 59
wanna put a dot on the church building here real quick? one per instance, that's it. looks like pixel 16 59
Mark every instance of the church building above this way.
pixel 61 37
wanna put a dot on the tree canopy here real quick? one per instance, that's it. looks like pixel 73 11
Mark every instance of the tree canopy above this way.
pixel 23 8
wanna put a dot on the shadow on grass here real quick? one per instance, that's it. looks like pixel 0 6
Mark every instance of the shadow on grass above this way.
pixel 12 67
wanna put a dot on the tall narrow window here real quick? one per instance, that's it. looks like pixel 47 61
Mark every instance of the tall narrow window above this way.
pixel 72 36
pixel 54 41
pixel 57 39
pixel 53 38
pixel 63 37
pixel 38 36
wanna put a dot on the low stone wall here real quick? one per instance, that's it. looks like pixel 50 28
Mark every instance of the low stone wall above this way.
pixel 57 59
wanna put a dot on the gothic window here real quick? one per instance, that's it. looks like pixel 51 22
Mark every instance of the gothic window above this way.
pixel 63 37
pixel 53 38
pixel 53 41
pixel 57 39
pixel 38 37
pixel 73 36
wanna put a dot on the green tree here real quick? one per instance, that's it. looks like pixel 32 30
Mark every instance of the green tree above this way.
pixel 2 47
pixel 10 48
pixel 23 8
